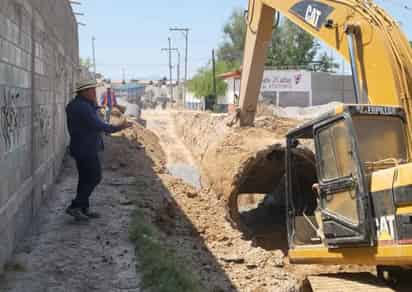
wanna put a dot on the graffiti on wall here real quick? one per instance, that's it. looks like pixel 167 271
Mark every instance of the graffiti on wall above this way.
pixel 42 121
pixel 9 119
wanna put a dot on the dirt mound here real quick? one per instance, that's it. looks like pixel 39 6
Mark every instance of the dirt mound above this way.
pixel 299 113
pixel 199 130
pixel 250 163
pixel 225 160
pixel 279 126
pixel 138 139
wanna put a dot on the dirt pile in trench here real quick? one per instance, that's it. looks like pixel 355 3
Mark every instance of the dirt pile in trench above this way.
pixel 138 140
pixel 200 130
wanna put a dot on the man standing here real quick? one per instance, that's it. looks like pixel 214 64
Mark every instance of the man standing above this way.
pixel 108 101
pixel 85 128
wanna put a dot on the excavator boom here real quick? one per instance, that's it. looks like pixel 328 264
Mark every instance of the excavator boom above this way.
pixel 363 33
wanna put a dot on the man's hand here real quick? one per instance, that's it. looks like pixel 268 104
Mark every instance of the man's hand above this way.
pixel 126 125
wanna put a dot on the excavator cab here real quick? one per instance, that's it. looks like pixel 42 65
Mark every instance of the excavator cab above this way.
pixel 335 209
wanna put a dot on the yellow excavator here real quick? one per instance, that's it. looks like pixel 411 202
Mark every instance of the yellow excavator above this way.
pixel 357 207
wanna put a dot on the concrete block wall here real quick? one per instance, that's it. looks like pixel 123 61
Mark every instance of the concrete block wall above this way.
pixel 38 69
pixel 300 99
pixel 329 87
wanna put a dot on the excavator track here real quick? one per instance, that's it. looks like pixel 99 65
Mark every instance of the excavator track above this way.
pixel 348 282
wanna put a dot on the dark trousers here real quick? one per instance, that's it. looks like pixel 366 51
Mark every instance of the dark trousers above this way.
pixel 90 175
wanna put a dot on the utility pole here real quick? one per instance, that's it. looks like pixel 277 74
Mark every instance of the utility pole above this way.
pixel 170 70
pixel 94 57
pixel 214 74
pixel 185 32
pixel 186 55
pixel 178 65
pixel 178 62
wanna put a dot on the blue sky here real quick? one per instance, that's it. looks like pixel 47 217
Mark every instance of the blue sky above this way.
pixel 130 33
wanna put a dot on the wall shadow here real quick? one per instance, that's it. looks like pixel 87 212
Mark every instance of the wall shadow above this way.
pixel 127 157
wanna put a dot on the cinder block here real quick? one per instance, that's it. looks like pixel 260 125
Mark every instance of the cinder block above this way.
pixel 6 245
pixel 29 133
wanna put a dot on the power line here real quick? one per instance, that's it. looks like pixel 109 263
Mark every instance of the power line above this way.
pixel 94 56
pixel 199 59
pixel 169 50
pixel 134 65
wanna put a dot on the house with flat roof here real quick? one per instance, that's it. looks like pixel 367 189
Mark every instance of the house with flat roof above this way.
pixel 286 88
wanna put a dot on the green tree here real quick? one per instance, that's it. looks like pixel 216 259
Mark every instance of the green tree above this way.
pixel 291 46
pixel 326 64
pixel 202 83
pixel 86 62
pixel 231 50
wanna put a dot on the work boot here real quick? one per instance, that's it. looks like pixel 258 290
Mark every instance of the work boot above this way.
pixel 90 214
pixel 77 214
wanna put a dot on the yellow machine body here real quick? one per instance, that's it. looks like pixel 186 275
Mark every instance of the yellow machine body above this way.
pixel 378 192
pixel 363 211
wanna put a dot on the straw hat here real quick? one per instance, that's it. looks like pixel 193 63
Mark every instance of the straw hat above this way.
pixel 86 84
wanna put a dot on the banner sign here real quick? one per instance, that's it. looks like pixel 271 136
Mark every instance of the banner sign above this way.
pixel 290 80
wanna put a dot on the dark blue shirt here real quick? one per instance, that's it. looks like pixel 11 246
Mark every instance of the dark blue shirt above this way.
pixel 85 128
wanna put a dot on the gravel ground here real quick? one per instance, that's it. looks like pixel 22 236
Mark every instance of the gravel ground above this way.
pixel 60 255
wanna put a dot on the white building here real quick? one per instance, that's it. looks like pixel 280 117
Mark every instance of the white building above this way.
pixel 293 88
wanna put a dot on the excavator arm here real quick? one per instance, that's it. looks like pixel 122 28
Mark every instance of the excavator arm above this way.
pixel 364 35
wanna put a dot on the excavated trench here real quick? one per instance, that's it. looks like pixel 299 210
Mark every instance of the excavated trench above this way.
pixel 245 167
